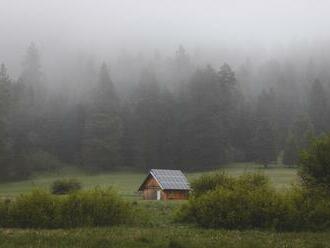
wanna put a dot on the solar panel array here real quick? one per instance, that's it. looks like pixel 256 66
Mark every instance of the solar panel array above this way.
pixel 171 179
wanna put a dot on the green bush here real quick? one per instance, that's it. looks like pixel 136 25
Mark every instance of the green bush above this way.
pixel 210 182
pixel 41 209
pixel 35 210
pixel 4 203
pixel 243 205
pixel 65 186
pixel 94 208
pixel 250 201
pixel 306 210
pixel 253 181
pixel 315 164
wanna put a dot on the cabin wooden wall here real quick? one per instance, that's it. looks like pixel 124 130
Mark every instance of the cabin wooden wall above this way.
pixel 151 182
pixel 150 194
pixel 175 195
pixel 150 189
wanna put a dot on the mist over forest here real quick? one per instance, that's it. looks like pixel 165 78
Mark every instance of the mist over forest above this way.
pixel 104 85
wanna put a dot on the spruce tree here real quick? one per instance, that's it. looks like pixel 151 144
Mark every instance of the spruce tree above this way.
pixel 204 134
pixel 103 126
pixel 291 151
pixel 264 144
pixel 318 108
pixel 146 121
pixel 32 78
pixel 4 111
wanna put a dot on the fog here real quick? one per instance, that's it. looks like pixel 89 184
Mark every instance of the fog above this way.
pixel 102 85
pixel 217 30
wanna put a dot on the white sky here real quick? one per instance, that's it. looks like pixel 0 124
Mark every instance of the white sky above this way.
pixel 108 25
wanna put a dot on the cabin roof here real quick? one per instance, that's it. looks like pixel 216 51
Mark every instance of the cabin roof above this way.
pixel 168 179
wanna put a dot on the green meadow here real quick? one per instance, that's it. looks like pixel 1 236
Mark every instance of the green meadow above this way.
pixel 127 182
pixel 160 237
pixel 158 229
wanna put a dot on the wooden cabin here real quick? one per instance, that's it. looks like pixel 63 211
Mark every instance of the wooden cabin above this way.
pixel 165 185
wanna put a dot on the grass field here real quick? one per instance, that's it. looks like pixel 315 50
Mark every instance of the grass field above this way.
pixel 127 183
pixel 158 230
pixel 162 237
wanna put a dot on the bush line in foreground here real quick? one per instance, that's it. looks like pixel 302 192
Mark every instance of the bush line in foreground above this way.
pixel 250 201
pixel 41 209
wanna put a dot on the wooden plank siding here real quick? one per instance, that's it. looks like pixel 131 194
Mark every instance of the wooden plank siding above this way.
pixel 151 187
pixel 175 195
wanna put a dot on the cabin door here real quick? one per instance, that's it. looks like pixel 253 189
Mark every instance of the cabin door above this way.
pixel 158 195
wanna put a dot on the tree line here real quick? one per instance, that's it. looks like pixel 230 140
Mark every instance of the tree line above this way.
pixel 208 119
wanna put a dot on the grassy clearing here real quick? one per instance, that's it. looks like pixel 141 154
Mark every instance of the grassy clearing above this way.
pixel 128 182
pixel 158 228
pixel 125 182
pixel 281 177
pixel 176 237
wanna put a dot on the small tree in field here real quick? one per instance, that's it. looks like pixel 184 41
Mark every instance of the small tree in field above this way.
pixel 290 156
pixel 264 143
pixel 315 164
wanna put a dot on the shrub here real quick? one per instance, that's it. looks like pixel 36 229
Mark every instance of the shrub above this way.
pixel 306 210
pixel 4 203
pixel 210 182
pixel 35 210
pixel 65 186
pixel 253 181
pixel 315 164
pixel 249 201
pixel 241 206
pixel 41 209
pixel 175 244
pixel 94 208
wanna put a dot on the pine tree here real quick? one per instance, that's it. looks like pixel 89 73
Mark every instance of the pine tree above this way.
pixel 303 131
pixel 145 122
pixel 27 118
pixel 299 138
pixel 103 126
pixel 318 108
pixel 290 156
pixel 31 76
pixel 264 143
pixel 230 99
pixel 203 133
pixel 182 60
pixel 180 69
pixel 4 111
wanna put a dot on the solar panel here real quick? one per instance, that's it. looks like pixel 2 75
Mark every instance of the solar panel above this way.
pixel 171 179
